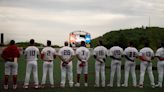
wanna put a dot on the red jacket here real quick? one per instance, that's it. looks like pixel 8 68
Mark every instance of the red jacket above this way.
pixel 10 52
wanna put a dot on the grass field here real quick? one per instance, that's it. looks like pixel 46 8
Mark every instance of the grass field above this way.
pixel 91 80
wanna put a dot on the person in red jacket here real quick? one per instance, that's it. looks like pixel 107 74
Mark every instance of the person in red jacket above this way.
pixel 10 55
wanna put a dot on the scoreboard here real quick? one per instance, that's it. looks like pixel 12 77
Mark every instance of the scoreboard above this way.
pixel 76 37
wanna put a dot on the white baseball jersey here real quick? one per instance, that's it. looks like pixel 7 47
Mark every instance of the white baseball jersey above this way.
pixel 66 53
pixel 116 51
pixel 83 53
pixel 49 53
pixel 100 52
pixel 131 52
pixel 160 53
pixel 31 53
pixel 147 53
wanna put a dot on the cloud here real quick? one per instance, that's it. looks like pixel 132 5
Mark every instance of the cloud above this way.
pixel 55 19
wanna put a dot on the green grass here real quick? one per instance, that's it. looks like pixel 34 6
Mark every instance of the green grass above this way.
pixel 91 80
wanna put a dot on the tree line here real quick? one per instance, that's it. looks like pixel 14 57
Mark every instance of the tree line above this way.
pixel 153 35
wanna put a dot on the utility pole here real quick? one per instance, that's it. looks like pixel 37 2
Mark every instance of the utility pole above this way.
pixel 149 21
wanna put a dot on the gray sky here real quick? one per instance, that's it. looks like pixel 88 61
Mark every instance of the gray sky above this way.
pixel 53 20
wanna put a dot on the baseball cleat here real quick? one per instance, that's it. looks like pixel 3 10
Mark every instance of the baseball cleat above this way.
pixel 103 85
pixel 109 85
pixel 70 85
pixel 42 86
pixel 134 85
pixel 123 85
pixel 36 86
pixel 86 84
pixel 118 85
pixel 62 85
pixel 77 85
pixel 140 86
pixel 96 85
pixel 158 85
pixel 14 87
pixel 5 87
pixel 52 86
pixel 153 86
pixel 25 86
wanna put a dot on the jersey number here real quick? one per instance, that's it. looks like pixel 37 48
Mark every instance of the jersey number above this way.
pixel 67 52
pixel 48 53
pixel 132 54
pixel 101 53
pixel 117 52
pixel 32 53
pixel 148 54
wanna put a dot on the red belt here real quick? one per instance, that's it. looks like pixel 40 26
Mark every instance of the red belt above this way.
pixel 161 59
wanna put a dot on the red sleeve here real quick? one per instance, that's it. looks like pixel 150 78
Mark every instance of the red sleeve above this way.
pixel 4 56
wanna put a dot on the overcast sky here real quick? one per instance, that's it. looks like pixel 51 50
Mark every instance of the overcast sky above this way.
pixel 53 20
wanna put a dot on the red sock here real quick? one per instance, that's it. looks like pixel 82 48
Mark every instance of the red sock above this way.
pixel 86 77
pixel 6 78
pixel 78 78
pixel 14 79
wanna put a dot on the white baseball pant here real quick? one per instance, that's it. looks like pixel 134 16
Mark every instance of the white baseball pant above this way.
pixel 31 67
pixel 115 66
pixel 160 67
pixel 143 66
pixel 48 67
pixel 11 68
pixel 99 69
pixel 130 67
pixel 66 70
pixel 83 69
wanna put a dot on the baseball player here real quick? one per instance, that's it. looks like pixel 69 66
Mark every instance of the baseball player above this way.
pixel 160 64
pixel 130 54
pixel 47 55
pixel 100 55
pixel 83 55
pixel 146 54
pixel 31 54
pixel 66 54
pixel 115 53
pixel 10 55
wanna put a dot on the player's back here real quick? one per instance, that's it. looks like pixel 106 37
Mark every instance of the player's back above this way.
pixel 66 52
pixel 131 52
pixel 100 52
pixel 116 52
pixel 83 53
pixel 31 53
pixel 160 52
pixel 146 52
pixel 48 53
